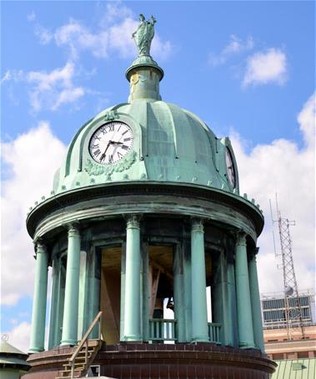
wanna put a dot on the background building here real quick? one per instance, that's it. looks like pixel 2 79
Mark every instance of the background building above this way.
pixel 291 344
pixel 293 339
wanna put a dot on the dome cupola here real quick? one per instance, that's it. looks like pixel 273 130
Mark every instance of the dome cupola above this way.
pixel 145 214
pixel 147 139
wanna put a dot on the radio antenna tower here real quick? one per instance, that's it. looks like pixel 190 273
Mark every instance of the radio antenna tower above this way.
pixel 293 310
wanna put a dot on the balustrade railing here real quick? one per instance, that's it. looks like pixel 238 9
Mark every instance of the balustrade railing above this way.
pixel 162 330
pixel 165 330
pixel 214 332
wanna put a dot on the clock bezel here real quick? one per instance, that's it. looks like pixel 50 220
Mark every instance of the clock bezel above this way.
pixel 231 170
pixel 125 153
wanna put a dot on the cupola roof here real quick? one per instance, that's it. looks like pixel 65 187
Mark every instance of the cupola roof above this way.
pixel 165 142
pixel 12 357
pixel 144 142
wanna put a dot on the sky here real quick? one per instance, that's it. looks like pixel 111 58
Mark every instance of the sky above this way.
pixel 247 68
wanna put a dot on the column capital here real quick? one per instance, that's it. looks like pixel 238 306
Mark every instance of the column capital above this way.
pixel 39 246
pixel 241 238
pixel 197 224
pixel 253 254
pixel 132 221
pixel 73 227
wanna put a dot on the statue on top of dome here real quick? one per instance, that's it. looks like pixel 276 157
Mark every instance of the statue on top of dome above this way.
pixel 144 35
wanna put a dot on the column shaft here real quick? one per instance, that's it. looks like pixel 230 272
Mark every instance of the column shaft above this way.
pixel 70 319
pixel 53 326
pixel 255 303
pixel 132 316
pixel 146 290
pixel 122 303
pixel 39 302
pixel 244 313
pixel 232 304
pixel 93 290
pixel 222 298
pixel 179 293
pixel 187 289
pixel 198 280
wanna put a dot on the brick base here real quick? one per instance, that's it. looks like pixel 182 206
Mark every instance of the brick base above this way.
pixel 163 361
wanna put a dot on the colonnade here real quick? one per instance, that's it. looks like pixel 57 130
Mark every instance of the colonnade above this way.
pixel 235 292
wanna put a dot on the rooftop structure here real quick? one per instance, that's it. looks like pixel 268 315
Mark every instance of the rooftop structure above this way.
pixel 274 309
pixel 145 210
pixel 13 362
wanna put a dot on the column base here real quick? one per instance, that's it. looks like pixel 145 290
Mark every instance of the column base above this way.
pixel 68 343
pixel 35 350
pixel 245 345
pixel 200 340
pixel 135 339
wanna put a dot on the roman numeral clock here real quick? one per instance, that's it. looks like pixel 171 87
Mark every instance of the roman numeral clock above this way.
pixel 111 142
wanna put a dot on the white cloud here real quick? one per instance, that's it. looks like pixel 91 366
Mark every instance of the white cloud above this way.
pixel 31 16
pixel 115 10
pixel 50 90
pixel 12 75
pixel 266 67
pixel 19 336
pixel 43 34
pixel 307 121
pixel 235 46
pixel 112 35
pixel 284 169
pixel 29 163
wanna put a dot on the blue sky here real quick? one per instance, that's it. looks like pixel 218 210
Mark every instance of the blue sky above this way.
pixel 247 68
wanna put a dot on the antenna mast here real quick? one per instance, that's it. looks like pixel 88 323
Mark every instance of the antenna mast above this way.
pixel 293 310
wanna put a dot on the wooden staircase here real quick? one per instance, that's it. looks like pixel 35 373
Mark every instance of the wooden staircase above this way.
pixel 83 356
pixel 80 365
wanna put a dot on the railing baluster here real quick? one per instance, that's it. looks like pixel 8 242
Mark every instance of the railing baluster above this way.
pixel 214 332
pixel 162 330
pixel 165 330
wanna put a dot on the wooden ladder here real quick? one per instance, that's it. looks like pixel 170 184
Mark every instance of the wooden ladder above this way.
pixel 84 354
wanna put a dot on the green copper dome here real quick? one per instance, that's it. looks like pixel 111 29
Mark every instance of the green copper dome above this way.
pixel 170 144
pixel 147 139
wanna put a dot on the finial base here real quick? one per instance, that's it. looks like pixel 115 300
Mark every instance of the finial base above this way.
pixel 144 76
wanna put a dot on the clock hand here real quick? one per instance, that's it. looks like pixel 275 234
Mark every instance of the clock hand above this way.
pixel 116 143
pixel 104 154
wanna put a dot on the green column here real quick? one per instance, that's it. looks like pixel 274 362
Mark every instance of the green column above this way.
pixel 221 298
pixel 145 290
pixel 244 313
pixel 70 319
pixel 83 315
pixel 187 289
pixel 122 303
pixel 232 303
pixel 92 305
pixel 53 325
pixel 198 283
pixel 39 302
pixel 132 314
pixel 179 293
pixel 255 303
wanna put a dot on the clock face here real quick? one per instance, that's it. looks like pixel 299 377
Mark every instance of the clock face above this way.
pixel 111 142
pixel 230 168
